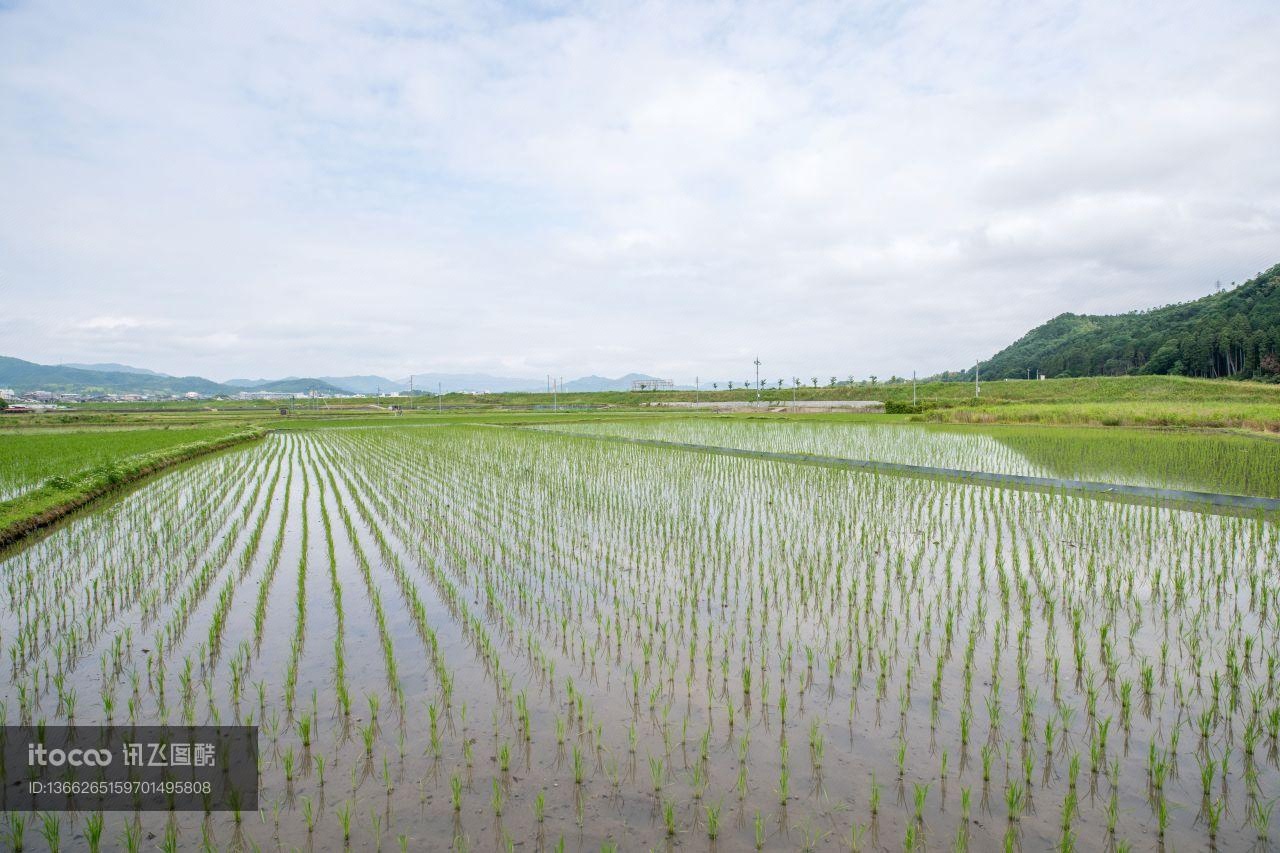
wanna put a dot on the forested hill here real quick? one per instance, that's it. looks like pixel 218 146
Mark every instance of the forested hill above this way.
pixel 1234 333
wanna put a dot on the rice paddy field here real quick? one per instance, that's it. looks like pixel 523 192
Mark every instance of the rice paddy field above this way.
pixel 481 637
pixel 30 458
pixel 1230 464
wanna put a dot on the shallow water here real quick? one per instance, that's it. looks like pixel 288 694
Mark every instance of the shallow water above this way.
pixel 623 589
pixel 1228 464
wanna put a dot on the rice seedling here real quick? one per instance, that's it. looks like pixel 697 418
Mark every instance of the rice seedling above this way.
pixel 700 610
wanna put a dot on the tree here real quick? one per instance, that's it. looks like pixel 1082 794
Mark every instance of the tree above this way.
pixel 815 381
pixel 833 382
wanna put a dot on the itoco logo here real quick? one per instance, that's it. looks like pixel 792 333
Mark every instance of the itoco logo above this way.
pixel 38 754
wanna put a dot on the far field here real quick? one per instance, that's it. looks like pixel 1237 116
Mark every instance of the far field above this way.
pixel 1159 401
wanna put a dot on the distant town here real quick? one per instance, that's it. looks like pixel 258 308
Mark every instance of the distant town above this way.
pixel 35 401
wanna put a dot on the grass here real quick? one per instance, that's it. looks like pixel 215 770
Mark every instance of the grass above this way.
pixel 1211 414
pixel 65 492
pixel 30 458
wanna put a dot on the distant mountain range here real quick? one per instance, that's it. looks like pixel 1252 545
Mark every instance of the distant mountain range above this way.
pixel 25 376
pixel 112 367
pixel 113 378
pixel 288 385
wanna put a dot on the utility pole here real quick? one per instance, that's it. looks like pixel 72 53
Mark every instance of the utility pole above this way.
pixel 977 389
pixel 697 390
pixel 555 387
pixel 439 397
pixel 757 363
pixel 913 388
pixel 411 391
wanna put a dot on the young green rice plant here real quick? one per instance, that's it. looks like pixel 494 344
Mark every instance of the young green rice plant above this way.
pixel 131 836
pixel 344 821
pixel 497 799
pixel 93 826
pixel 920 795
pixel 51 831
pixel 1213 816
pixel 16 830
pixel 713 821
pixel 656 773
pixel 1261 819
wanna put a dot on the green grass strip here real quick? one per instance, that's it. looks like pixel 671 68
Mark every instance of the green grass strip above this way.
pixel 62 495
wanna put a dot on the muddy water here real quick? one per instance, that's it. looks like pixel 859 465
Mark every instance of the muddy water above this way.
pixel 625 589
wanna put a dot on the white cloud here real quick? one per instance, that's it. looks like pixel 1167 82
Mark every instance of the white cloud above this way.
pixel 668 187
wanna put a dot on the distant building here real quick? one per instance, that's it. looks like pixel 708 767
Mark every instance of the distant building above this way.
pixel 8 394
pixel 652 385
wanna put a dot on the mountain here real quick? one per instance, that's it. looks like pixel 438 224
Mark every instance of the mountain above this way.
pixel 27 376
pixel 298 385
pixel 602 383
pixel 112 367
pixel 365 384
pixel 1234 333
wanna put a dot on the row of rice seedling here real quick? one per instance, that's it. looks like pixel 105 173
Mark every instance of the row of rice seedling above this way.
pixel 495 636
pixel 1196 461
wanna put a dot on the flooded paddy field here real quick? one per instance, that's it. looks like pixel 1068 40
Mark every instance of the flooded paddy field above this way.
pixel 487 638
pixel 1221 463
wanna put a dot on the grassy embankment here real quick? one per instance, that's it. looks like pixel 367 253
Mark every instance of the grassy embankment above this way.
pixel 73 480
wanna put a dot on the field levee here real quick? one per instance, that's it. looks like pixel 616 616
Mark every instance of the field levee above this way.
pixel 58 497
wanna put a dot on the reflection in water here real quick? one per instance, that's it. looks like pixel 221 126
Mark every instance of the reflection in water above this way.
pixel 1214 463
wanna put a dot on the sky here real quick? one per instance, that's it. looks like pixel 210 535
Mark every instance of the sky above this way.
pixel 847 188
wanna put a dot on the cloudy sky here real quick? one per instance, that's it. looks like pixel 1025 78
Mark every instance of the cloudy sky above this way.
pixel 844 188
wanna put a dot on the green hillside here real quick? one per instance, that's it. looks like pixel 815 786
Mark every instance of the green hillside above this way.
pixel 28 376
pixel 1233 334
pixel 297 386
